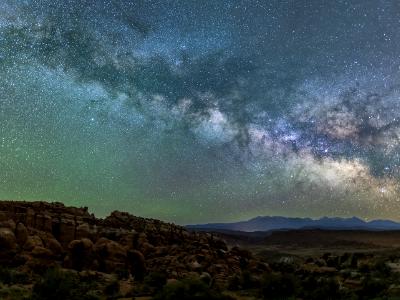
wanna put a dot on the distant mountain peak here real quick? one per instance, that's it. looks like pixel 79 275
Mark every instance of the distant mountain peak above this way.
pixel 266 223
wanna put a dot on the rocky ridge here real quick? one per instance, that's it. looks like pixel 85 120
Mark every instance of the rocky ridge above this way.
pixel 37 235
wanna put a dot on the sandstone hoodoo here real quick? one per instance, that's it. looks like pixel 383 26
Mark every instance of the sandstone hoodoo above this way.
pixel 37 235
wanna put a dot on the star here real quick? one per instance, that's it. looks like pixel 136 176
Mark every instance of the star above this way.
pixel 194 113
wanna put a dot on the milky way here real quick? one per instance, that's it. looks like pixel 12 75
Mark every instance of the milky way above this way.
pixel 196 111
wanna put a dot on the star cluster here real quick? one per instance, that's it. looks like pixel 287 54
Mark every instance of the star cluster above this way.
pixel 196 111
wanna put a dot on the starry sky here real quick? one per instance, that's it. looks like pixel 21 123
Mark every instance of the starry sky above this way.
pixel 201 111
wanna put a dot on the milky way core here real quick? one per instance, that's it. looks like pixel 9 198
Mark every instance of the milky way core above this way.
pixel 198 111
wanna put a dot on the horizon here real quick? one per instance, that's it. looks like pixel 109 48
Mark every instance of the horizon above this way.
pixel 310 218
pixel 195 113
pixel 317 218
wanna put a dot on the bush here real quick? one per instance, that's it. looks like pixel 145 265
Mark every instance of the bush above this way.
pixel 248 281
pixel 5 276
pixel 372 288
pixel 112 289
pixel 381 268
pixel 122 273
pixel 234 283
pixel 55 284
pixel 279 286
pixel 14 293
pixel 286 267
pixel 156 279
pixel 8 276
pixel 354 261
pixel 364 268
pixel 189 289
pixel 61 285
pixel 20 277
pixel 327 289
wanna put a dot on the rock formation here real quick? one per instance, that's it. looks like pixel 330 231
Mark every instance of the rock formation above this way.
pixel 39 235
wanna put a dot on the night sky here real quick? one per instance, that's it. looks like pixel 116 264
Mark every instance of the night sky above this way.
pixel 201 110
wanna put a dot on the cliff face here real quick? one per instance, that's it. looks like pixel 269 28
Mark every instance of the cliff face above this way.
pixel 35 235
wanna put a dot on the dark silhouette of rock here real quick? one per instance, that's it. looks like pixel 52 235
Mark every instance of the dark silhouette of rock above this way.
pixel 7 239
pixel 32 242
pixel 21 234
pixel 137 264
pixel 83 231
pixel 39 235
pixel 53 245
pixel 80 254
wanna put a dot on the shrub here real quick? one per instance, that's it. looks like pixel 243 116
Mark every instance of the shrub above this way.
pixel 372 288
pixel 245 281
pixel 14 293
pixel 354 261
pixel 248 281
pixel 333 262
pixel 364 268
pixel 9 276
pixel 281 266
pixel 381 268
pixel 55 284
pixel 122 273
pixel 20 277
pixel 234 283
pixel 156 279
pixel 308 284
pixel 112 289
pixel 61 285
pixel 327 289
pixel 5 276
pixel 189 289
pixel 279 286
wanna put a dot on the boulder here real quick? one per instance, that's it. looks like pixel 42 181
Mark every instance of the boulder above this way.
pixel 220 244
pixel 110 254
pixel 30 217
pixel 129 239
pixel 21 233
pixel 146 248
pixel 4 216
pixel 110 249
pixel 206 278
pixel 40 260
pixel 53 245
pixel 137 264
pixel 83 231
pixel 80 254
pixel 195 266
pixel 32 242
pixel 66 230
pixel 7 239
pixel 8 224
pixel 44 222
pixel 41 252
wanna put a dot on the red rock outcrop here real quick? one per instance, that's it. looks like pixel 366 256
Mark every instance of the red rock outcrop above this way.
pixel 38 234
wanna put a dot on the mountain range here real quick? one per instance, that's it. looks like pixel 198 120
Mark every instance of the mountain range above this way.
pixel 266 223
